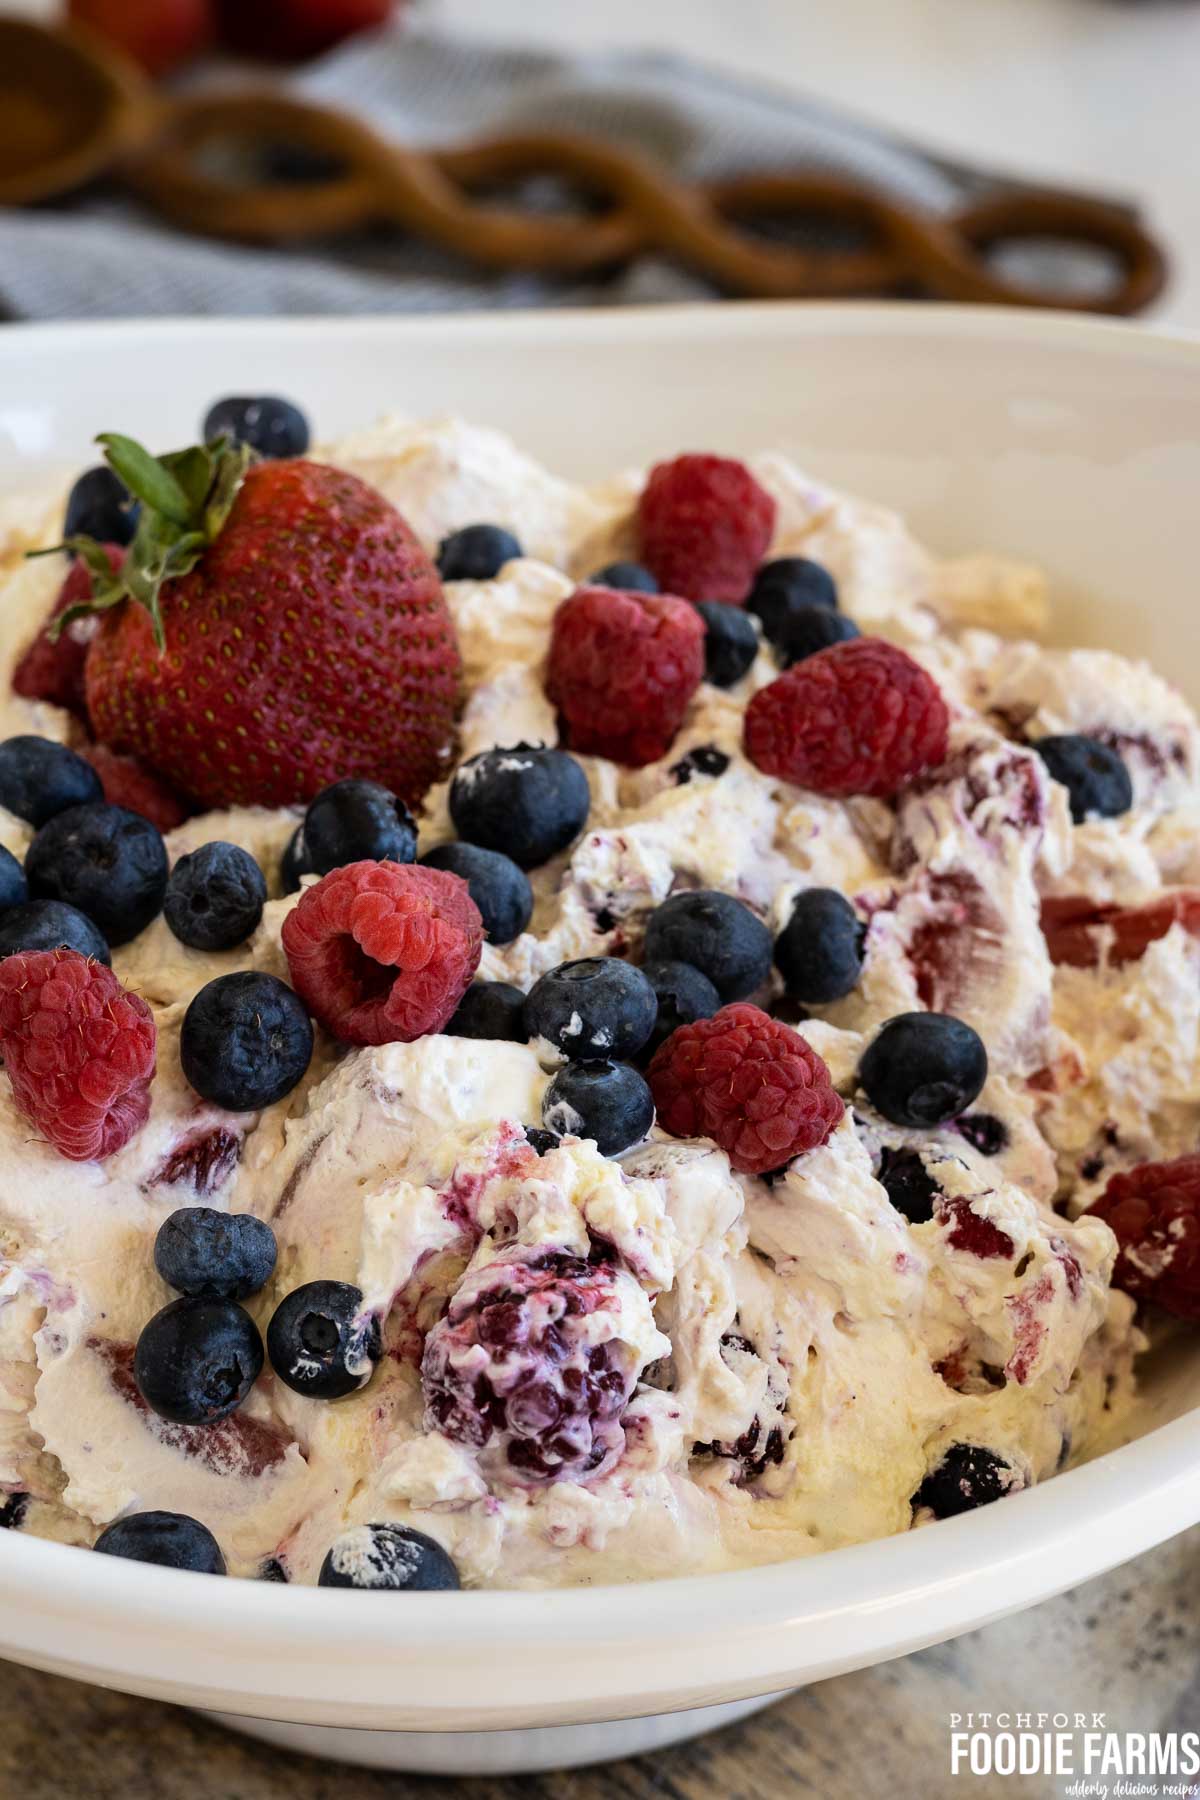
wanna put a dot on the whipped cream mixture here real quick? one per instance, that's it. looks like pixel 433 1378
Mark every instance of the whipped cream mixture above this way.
pixel 801 1356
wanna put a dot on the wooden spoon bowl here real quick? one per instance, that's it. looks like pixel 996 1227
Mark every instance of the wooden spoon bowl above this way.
pixel 68 110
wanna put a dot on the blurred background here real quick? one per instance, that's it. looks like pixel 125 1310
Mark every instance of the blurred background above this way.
pixel 1044 148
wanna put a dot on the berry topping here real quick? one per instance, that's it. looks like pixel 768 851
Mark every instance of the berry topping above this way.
pixel 628 577
pixel 761 1444
pixel 351 669
pixel 1094 775
pixel 598 1007
pixel 861 718
pixel 294 862
pixel 39 779
pixel 1083 934
pixel 789 584
pixel 49 925
pixel 967 1476
pixel 604 1101
pixel 622 669
pixel 730 642
pixel 126 783
pixel 388 1557
pixel 805 630
pixel 749 1083
pixel 705 760
pixel 909 1185
pixel 985 1132
pixel 357 821
pixel 108 862
pixel 498 887
pixel 13 1508
pixel 100 506
pixel 215 897
pixel 541 1141
pixel 78 1049
pixel 14 889
pixel 212 1255
pixel 271 1569
pixel 704 524
pixel 52 666
pixel 273 427
pixel 320 1341
pixel 529 802
pixel 819 952
pixel 973 1232
pixel 171 1540
pixel 246 1040
pixel 529 1365
pixel 383 953
pixel 1154 1212
pixel 197 1360
pixel 476 553
pixel 717 935
pixel 203 1162
pixel 683 995
pixel 490 1009
pixel 923 1068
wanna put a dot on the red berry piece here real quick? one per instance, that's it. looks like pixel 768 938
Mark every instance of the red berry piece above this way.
pixel 971 1231
pixel 52 669
pixel 126 783
pixel 1154 1211
pixel 622 669
pixel 1082 934
pixel 78 1049
pixel 749 1083
pixel 860 718
pixel 526 1363
pixel 382 953
pixel 704 524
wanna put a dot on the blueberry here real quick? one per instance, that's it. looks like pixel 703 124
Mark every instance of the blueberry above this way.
pixel 967 1476
pixel 730 642
pixel 819 952
pixel 39 779
pixel 498 887
pixel 214 1255
pixel 476 553
pixel 923 1068
pixel 1093 774
pixel 271 1569
pixel 357 821
pixel 215 897
pixel 387 1558
pixel 786 584
pixel 528 802
pixel 910 1187
pixel 596 1008
pixel 47 924
pixel 705 759
pixel 13 1508
pixel 629 577
pixel 171 1540
pixel 294 862
pixel 988 1134
pixel 607 1102
pixel 14 890
pixel 683 995
pixel 100 506
pixel 490 1009
pixel 540 1140
pixel 717 935
pixel 806 629
pixel 273 427
pixel 107 861
pixel 197 1360
pixel 246 1041
pixel 321 1343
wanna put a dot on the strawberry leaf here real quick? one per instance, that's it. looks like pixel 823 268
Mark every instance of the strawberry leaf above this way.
pixel 147 477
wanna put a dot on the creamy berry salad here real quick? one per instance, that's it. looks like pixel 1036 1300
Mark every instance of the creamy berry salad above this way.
pixel 557 1035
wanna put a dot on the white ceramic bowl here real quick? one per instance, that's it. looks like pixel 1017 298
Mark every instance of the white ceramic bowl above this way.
pixel 1074 444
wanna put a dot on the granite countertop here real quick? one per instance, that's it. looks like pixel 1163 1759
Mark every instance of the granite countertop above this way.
pixel 1127 1643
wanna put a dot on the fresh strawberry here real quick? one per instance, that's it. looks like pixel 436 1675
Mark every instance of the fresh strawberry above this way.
pixel 1082 933
pixel 158 34
pixel 127 784
pixel 275 627
pixel 51 667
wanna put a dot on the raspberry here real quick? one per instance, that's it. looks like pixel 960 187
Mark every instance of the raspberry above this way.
pixel 859 718
pixel 1081 933
pixel 53 670
pixel 381 952
pixel 127 783
pixel 529 1363
pixel 1154 1211
pixel 704 525
pixel 749 1083
pixel 622 669
pixel 78 1048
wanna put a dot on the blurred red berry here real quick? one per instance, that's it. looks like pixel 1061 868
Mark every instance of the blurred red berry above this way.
pixel 289 30
pixel 158 34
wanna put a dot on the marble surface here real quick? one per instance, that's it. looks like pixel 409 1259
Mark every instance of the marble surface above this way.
pixel 1127 1644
